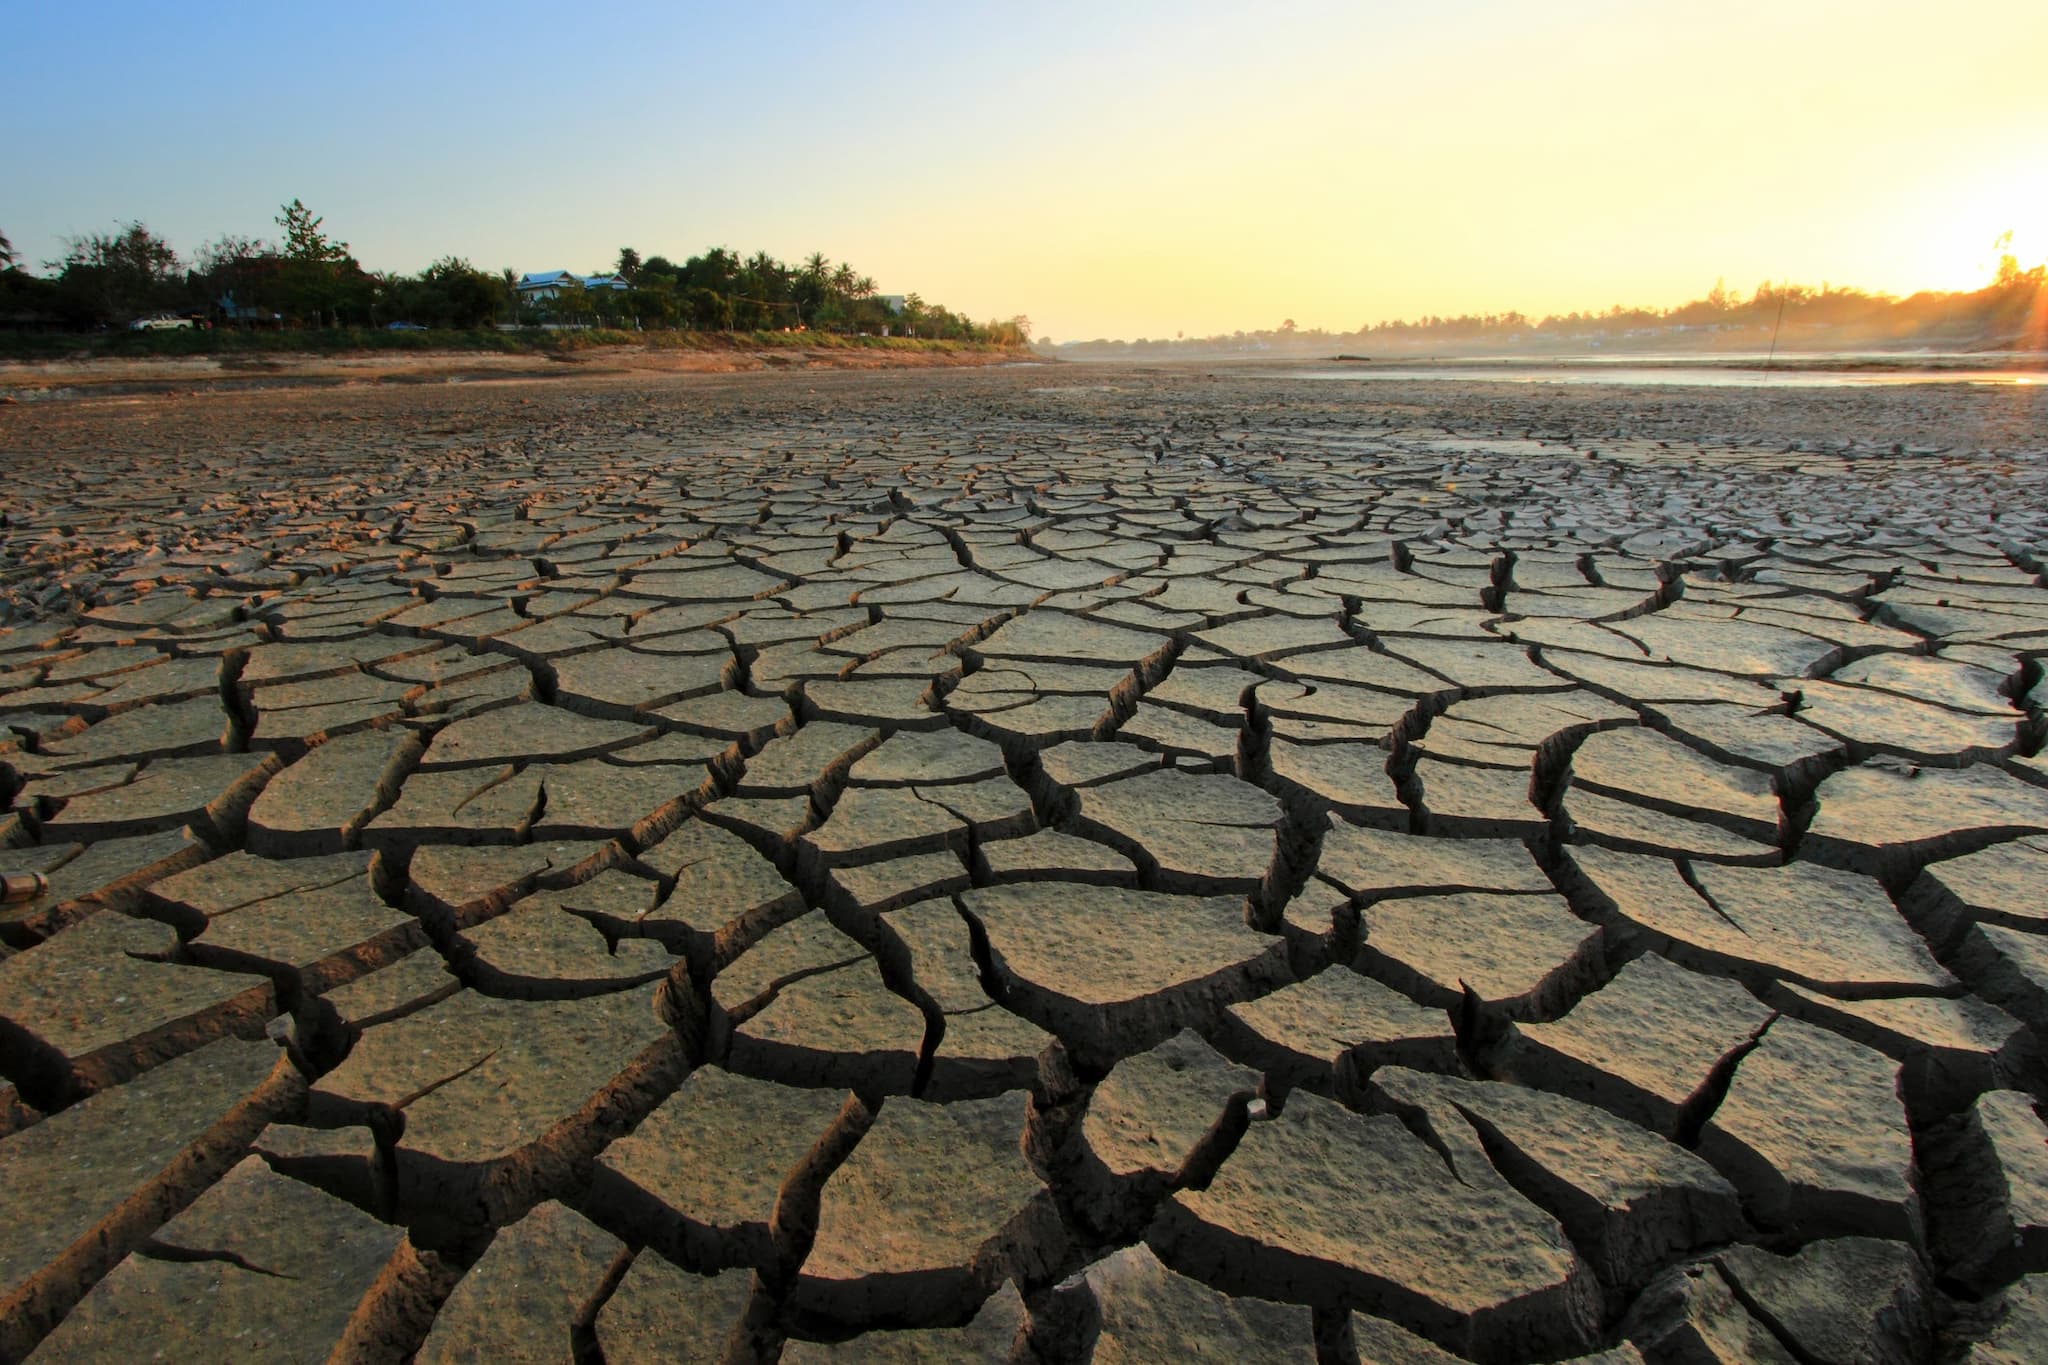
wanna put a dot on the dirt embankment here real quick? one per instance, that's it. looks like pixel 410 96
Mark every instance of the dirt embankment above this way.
pixel 26 381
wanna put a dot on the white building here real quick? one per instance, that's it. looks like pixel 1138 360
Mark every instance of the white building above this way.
pixel 546 284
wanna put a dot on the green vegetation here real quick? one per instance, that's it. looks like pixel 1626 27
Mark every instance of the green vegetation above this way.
pixel 520 341
pixel 311 285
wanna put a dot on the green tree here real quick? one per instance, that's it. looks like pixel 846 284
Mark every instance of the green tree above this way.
pixel 710 310
pixel 234 268
pixel 652 307
pixel 571 304
pixel 629 264
pixel 112 277
pixel 6 253
pixel 320 276
pixel 457 294
pixel 305 238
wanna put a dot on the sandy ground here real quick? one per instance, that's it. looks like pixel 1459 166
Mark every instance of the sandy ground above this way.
pixel 153 412
pixel 39 380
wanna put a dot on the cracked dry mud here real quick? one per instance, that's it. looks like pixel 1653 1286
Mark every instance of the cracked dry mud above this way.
pixel 1048 865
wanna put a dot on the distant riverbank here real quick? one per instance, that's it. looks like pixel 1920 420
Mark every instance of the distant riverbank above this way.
pixel 1826 370
pixel 162 362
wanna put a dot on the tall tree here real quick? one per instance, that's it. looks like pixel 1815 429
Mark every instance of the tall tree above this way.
pixel 457 294
pixel 6 253
pixel 232 270
pixel 305 236
pixel 110 277
pixel 319 272
pixel 629 264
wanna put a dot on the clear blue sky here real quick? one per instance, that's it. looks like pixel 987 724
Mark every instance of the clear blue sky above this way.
pixel 1109 168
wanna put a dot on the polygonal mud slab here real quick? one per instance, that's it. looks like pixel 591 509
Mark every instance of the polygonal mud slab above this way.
pixel 1814 1134
pixel 869 824
pixel 105 999
pixel 310 924
pixel 86 1186
pixel 726 1171
pixel 1050 855
pixel 1372 864
pixel 1646 1046
pixel 1469 801
pixel 996 1332
pixel 1525 956
pixel 724 896
pixel 1630 1200
pixel 1691 1312
pixel 936 1205
pixel 1999 885
pixel 320 803
pixel 838 1027
pixel 522 1300
pixel 1159 1120
pixel 973 1047
pixel 1146 1312
pixel 811 762
pixel 501 1097
pixel 1848 1298
pixel 1195 833
pixel 1331 1031
pixel 1889 821
pixel 277 1267
pixel 110 874
pixel 1056 637
pixel 1889 723
pixel 1295 1209
pixel 1654 770
pixel 454 886
pixel 1831 930
pixel 1112 971
pixel 540 950
pixel 1988 1173
pixel 914 757
pixel 210 793
pixel 528 733
pixel 1950 1049
pixel 660 1313
pixel 1350 780
pixel 2018 1331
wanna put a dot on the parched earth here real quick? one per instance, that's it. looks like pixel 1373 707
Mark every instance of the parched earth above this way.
pixel 1054 864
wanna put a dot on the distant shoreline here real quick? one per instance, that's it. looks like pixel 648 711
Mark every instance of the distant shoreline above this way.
pixel 1831 361
pixel 80 372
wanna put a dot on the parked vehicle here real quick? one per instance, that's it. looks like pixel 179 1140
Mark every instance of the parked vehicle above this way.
pixel 405 327
pixel 159 322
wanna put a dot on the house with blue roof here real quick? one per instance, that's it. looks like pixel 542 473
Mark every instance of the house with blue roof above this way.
pixel 546 284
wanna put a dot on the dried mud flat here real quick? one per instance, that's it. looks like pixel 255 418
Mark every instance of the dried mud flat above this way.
pixel 1051 864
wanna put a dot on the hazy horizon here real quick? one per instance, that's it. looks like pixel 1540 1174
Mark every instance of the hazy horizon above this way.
pixel 1150 170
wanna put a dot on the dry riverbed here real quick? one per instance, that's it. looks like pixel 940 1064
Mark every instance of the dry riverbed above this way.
pixel 1048 863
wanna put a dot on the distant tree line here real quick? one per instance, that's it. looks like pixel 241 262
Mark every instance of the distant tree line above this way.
pixel 310 279
pixel 720 291
pixel 2011 310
